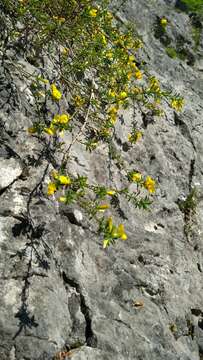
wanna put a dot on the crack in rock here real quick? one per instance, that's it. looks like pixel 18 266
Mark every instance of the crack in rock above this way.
pixel 184 129
pixel 91 339
pixel 191 173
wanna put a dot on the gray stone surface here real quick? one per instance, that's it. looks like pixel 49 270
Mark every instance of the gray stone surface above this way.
pixel 59 289
pixel 10 171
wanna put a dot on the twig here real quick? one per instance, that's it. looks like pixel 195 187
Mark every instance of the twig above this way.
pixel 33 192
pixel 67 151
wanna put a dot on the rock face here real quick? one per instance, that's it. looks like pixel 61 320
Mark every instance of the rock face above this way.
pixel 60 291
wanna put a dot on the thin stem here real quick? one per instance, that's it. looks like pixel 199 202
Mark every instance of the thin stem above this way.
pixel 80 132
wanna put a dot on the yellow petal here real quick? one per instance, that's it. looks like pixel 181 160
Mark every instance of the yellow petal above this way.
pixel 93 12
pixel 64 180
pixel 123 95
pixel 137 177
pixel 149 184
pixel 111 192
pixel 56 94
pixel 49 131
pixel 138 75
pixel 64 119
pixel 124 236
pixel 106 243
pixel 164 21
pixel 51 188
pixel 103 207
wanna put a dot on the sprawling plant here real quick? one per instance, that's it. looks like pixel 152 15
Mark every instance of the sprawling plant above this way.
pixel 97 76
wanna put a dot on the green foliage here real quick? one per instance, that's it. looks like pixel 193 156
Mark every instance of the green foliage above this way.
pixel 196 34
pixel 189 207
pixel 95 61
pixel 111 232
pixel 193 6
pixel 190 203
pixel 171 52
pixel 181 52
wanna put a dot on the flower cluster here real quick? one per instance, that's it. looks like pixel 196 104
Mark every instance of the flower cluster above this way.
pixel 59 180
pixel 111 232
pixel 147 183
pixel 177 103
pixel 58 124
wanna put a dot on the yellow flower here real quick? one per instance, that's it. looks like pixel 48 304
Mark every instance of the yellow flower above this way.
pixel 93 12
pixel 49 131
pixel 112 112
pixel 131 58
pixel 51 188
pixel 138 75
pixel 61 119
pixel 62 199
pixel 56 94
pixel 136 176
pixel 102 207
pixel 64 119
pixel 121 232
pixel 164 22
pixel 177 104
pixel 111 192
pixel 123 95
pixel 133 138
pixel 138 135
pixel 113 118
pixel 64 180
pixel 149 184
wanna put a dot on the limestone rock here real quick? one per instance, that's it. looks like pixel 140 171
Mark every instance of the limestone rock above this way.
pixel 59 290
pixel 10 171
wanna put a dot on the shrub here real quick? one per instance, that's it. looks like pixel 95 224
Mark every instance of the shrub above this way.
pixel 95 58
